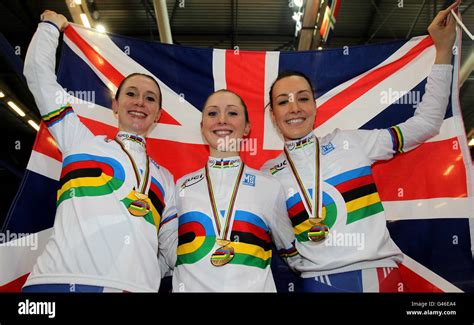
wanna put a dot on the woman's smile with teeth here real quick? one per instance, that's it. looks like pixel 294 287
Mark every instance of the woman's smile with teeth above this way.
pixel 295 120
pixel 222 132
pixel 137 114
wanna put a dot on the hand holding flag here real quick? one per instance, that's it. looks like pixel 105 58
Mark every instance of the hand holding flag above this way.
pixel 443 32
pixel 59 20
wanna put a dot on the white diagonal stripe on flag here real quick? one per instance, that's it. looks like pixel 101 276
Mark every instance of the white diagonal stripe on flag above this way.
pixel 392 58
pixel 19 257
pixel 370 104
pixel 429 275
pixel 44 165
pixel 175 105
pixel 437 208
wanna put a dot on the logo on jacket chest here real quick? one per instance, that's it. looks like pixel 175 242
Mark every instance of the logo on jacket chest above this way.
pixel 192 181
pixel 249 180
pixel 277 168
pixel 327 148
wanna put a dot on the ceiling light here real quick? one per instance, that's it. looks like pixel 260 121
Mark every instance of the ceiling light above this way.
pixel 2 94
pixel 16 108
pixel 100 28
pixel 34 125
pixel 298 3
pixel 85 21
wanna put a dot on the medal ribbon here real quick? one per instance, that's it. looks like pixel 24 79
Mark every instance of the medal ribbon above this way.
pixel 141 182
pixel 313 205
pixel 223 230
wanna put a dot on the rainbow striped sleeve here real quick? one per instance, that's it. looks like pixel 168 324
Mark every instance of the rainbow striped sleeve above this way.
pixel 397 139
pixel 57 115
pixel 288 252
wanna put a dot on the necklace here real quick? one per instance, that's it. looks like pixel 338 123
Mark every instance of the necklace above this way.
pixel 225 253
pixel 318 230
pixel 139 207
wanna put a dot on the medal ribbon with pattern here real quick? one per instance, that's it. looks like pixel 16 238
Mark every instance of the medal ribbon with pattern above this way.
pixel 225 253
pixel 318 230
pixel 139 207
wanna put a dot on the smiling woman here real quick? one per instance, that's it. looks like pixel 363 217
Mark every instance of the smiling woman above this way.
pixel 228 212
pixel 137 103
pixel 333 203
pixel 293 108
pixel 224 117
pixel 115 206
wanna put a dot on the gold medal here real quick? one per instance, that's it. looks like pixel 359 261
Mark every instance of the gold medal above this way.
pixel 222 242
pixel 318 232
pixel 315 221
pixel 225 253
pixel 139 208
pixel 222 256
pixel 141 196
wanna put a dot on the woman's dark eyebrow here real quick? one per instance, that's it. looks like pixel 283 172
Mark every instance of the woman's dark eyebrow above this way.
pixel 299 92
pixel 146 92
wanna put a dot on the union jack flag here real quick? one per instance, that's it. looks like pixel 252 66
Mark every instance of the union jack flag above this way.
pixel 427 193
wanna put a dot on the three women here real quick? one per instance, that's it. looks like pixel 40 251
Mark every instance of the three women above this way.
pixel 228 212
